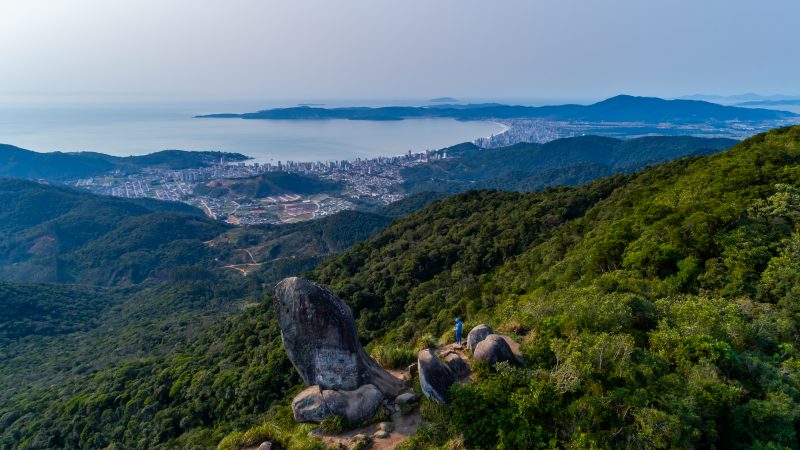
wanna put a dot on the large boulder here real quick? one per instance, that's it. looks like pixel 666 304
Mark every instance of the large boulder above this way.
pixel 435 377
pixel 493 349
pixel 314 404
pixel 355 406
pixel 321 341
pixel 477 334
pixel 309 405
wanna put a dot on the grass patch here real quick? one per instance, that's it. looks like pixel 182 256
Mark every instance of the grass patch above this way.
pixel 427 341
pixel 285 434
pixel 394 356
pixel 332 425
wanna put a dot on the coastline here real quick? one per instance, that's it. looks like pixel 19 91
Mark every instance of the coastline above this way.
pixel 505 129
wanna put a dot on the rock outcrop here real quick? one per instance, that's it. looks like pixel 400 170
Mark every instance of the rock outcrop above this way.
pixel 314 404
pixel 493 349
pixel 456 363
pixel 435 377
pixel 477 334
pixel 309 405
pixel 320 338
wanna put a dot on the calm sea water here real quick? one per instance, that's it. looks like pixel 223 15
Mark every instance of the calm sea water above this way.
pixel 144 128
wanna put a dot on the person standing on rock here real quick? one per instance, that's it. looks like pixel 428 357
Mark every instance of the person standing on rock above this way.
pixel 458 328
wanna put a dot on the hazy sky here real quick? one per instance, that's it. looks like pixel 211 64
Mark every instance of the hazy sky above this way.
pixel 327 49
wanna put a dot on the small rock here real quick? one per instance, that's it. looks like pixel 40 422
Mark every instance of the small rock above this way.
pixel 267 445
pixel 380 434
pixel 478 334
pixel 412 370
pixel 406 398
pixel 493 349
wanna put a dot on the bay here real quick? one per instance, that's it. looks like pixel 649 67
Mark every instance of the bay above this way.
pixel 136 129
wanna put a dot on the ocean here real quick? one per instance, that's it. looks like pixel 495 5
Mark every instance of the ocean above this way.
pixel 136 129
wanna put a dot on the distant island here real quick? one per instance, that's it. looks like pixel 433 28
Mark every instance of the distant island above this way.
pixel 443 100
pixel 785 102
pixel 622 108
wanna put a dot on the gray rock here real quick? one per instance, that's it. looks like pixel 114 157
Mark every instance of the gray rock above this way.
pixel 380 434
pixel 406 398
pixel 266 445
pixel 412 370
pixel 321 341
pixel 435 377
pixel 309 406
pixel 477 334
pixel 493 349
pixel 457 364
pixel 355 406
pixel 314 404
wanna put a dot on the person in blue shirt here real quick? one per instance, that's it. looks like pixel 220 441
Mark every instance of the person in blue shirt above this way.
pixel 459 326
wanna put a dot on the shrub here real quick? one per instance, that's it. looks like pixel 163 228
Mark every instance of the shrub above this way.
pixel 394 357
pixel 427 341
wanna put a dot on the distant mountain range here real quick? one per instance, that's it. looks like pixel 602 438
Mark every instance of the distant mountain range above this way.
pixel 622 108
pixel 740 98
pixel 17 162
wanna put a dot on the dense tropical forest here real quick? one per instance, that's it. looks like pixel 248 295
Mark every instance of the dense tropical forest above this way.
pixel 563 162
pixel 655 309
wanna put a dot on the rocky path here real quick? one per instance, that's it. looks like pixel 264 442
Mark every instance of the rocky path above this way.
pixel 397 429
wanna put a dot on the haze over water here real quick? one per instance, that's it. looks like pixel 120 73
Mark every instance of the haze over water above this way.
pixel 145 128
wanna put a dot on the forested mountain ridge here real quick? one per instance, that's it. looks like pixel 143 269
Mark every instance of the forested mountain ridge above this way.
pixel 655 310
pixel 43 230
pixel 155 276
pixel 17 162
pixel 562 162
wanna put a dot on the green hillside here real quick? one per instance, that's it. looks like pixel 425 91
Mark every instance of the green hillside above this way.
pixel 49 233
pixel 17 162
pixel 655 310
pixel 268 184
pixel 563 162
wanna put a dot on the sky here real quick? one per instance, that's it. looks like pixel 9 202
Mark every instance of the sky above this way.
pixel 407 49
